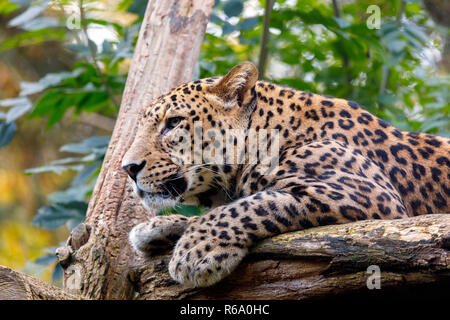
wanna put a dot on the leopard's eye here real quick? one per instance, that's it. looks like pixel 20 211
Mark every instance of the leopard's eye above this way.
pixel 172 123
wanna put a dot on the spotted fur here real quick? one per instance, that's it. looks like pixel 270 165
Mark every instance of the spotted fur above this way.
pixel 338 163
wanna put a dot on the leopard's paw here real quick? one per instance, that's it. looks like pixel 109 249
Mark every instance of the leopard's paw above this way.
pixel 205 263
pixel 159 233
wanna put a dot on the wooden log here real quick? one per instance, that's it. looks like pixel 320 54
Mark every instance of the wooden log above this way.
pixel 15 285
pixel 412 255
pixel 324 262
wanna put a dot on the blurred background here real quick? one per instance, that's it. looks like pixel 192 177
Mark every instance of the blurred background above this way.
pixel 63 67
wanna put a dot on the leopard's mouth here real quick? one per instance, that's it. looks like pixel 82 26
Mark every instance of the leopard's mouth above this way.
pixel 174 185
pixel 166 195
pixel 156 200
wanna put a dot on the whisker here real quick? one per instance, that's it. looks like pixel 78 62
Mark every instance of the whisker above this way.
pixel 206 167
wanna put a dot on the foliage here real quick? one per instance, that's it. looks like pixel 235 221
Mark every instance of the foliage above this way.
pixel 313 46
pixel 20 241
pixel 93 85
pixel 69 206
pixel 185 210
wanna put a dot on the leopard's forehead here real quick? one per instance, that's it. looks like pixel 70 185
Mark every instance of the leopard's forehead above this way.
pixel 184 96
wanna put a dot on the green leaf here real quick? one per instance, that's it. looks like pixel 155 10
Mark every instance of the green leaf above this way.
pixel 7 7
pixel 21 3
pixel 29 38
pixel 211 67
pixel 249 23
pixel 417 32
pixel 342 23
pixel 433 122
pixel 215 19
pixel 79 206
pixel 57 273
pixel 86 174
pixel 46 259
pixel 66 160
pixel 81 50
pixel 166 212
pixel 7 132
pixel 74 193
pixel 52 250
pixel 93 45
pixel 20 106
pixel 40 23
pixel 138 7
pixel 228 28
pixel 397 45
pixel 49 80
pixel 233 8
pixel 387 99
pixel 45 104
pixel 413 41
pixel 54 168
pixel 86 146
pixel 188 210
pixel 185 210
pixel 55 216
pixel 13 101
pixel 93 101
pixel 29 14
pixel 18 110
pixel 57 113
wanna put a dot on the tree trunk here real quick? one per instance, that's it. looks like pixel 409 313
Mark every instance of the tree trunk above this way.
pixel 97 257
pixel 15 285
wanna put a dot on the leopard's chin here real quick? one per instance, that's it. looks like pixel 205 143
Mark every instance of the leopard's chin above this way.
pixel 154 201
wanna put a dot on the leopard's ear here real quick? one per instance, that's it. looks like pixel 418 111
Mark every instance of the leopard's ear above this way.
pixel 234 88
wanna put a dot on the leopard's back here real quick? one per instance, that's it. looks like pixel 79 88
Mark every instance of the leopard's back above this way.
pixel 416 164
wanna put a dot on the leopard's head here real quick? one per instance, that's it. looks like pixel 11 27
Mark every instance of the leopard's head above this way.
pixel 174 156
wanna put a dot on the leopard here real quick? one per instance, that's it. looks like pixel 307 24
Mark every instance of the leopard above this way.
pixel 336 163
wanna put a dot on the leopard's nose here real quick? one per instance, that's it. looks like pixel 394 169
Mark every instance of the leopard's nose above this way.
pixel 133 169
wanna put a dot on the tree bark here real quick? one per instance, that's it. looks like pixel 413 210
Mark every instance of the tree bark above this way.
pixel 413 256
pixel 320 263
pixel 97 257
pixel 15 285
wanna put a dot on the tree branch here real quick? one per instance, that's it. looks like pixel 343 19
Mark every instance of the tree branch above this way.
pixel 412 254
pixel 265 39
pixel 345 60
pixel 98 120
pixel 98 257
pixel 322 262
pixel 387 69
pixel 15 285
